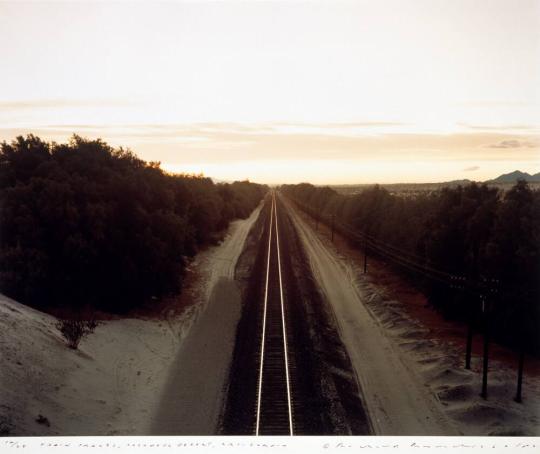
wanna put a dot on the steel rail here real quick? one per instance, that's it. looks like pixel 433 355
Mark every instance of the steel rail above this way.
pixel 283 323
pixel 259 391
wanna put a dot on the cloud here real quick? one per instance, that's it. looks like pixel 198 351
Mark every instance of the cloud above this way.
pixel 520 127
pixel 471 169
pixel 228 142
pixel 60 103
pixel 352 124
pixel 513 143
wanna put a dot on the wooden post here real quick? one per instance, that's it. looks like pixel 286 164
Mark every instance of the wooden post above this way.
pixel 520 375
pixel 365 255
pixel 469 344
pixel 470 333
pixel 485 311
pixel 333 216
pixel 521 362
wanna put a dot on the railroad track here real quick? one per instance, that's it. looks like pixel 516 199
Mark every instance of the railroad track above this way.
pixel 275 409
pixel 286 376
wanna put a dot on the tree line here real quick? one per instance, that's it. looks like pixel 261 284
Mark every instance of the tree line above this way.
pixel 84 225
pixel 476 231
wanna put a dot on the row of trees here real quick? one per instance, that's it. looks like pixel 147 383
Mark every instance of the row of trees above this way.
pixel 86 225
pixel 474 231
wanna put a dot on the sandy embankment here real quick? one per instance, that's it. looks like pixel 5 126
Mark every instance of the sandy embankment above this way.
pixel 193 398
pixel 132 376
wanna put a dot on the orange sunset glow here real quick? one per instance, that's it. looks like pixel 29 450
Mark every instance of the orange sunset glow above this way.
pixel 327 92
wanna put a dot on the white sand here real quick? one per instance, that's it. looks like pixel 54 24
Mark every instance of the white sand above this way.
pixel 106 387
pixel 193 399
pixel 412 385
pixel 118 380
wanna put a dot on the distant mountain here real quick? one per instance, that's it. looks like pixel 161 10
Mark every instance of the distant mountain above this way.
pixel 512 177
pixel 458 182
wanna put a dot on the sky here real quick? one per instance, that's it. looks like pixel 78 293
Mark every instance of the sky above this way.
pixel 282 92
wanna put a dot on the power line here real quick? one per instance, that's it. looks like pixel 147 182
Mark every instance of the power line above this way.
pixel 402 258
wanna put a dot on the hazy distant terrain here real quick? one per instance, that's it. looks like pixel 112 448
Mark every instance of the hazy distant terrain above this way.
pixel 503 182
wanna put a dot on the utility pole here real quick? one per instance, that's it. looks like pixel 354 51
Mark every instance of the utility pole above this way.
pixel 469 344
pixel 520 375
pixel 469 333
pixel 458 284
pixel 485 311
pixel 365 254
pixel 521 362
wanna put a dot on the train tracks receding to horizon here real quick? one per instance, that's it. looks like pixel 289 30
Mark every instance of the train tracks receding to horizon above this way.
pixel 274 413
pixel 290 374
